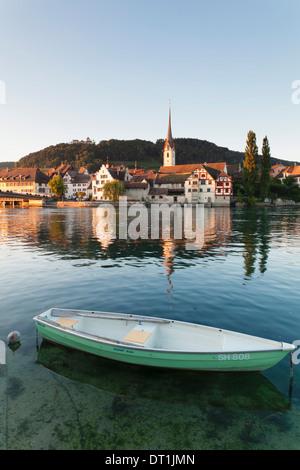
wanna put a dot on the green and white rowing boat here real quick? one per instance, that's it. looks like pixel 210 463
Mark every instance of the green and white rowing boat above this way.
pixel 159 342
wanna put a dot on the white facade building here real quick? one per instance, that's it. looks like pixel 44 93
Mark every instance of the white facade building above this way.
pixel 195 183
pixel 77 183
pixel 77 180
pixel 105 174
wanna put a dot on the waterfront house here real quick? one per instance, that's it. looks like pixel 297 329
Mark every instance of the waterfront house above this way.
pixel 77 183
pixel 77 180
pixel 25 181
pixel 108 173
pixel 169 184
pixel 235 171
pixel 137 190
pixel 277 169
pixel 293 171
pixel 193 183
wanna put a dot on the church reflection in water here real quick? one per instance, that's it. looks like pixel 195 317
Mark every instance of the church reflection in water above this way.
pixel 74 234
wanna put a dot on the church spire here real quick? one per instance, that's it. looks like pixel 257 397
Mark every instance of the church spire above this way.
pixel 169 136
pixel 169 148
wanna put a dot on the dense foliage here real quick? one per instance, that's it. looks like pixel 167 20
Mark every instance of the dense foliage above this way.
pixel 250 176
pixel 112 190
pixel 287 189
pixel 55 155
pixel 265 178
pixel 7 165
pixel 57 186
pixel 144 153
pixel 256 184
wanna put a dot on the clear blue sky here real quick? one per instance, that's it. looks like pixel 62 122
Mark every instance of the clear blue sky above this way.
pixel 107 68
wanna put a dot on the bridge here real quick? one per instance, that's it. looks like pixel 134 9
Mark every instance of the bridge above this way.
pixel 17 199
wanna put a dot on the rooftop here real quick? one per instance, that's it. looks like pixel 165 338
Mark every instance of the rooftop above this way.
pixel 25 174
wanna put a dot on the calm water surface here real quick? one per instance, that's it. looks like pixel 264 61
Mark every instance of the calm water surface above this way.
pixel 246 278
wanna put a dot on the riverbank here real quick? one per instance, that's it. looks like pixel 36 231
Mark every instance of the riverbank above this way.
pixel 77 203
pixel 275 203
pixel 73 204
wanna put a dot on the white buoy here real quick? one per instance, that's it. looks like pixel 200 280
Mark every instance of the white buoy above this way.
pixel 2 353
pixel 13 337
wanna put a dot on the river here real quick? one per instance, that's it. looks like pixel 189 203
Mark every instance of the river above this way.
pixel 245 277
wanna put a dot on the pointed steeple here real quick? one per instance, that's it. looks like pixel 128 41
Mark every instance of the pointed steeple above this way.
pixel 169 136
pixel 169 147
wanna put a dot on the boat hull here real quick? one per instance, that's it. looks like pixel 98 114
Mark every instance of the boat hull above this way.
pixel 237 361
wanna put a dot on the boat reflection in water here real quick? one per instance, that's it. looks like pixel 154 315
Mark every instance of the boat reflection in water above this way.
pixel 236 391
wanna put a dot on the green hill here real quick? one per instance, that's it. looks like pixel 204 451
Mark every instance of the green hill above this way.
pixel 7 165
pixel 145 154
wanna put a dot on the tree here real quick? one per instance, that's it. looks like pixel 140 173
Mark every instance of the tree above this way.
pixel 250 175
pixel 265 178
pixel 112 190
pixel 57 186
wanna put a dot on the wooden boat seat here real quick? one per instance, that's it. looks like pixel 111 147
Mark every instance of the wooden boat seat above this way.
pixel 140 334
pixel 68 322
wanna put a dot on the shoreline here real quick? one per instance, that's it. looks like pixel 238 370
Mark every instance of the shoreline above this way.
pixel 74 204
pixel 276 203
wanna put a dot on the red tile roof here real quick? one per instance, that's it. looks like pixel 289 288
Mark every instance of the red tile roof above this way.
pixel 28 174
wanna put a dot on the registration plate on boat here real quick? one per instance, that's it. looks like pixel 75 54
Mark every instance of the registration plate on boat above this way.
pixel 234 357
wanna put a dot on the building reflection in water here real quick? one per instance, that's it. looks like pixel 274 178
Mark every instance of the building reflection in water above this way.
pixel 74 233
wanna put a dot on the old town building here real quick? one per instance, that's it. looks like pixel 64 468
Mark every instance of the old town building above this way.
pixel 25 181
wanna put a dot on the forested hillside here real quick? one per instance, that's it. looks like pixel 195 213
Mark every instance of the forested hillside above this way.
pixel 7 165
pixel 144 153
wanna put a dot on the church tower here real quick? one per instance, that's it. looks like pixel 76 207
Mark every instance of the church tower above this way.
pixel 169 148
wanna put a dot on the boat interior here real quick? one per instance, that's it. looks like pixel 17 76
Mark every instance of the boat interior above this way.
pixel 154 333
